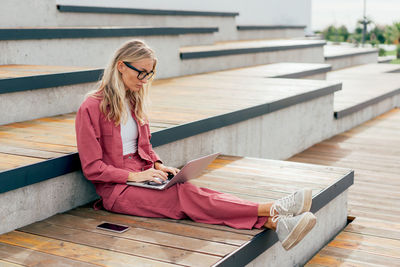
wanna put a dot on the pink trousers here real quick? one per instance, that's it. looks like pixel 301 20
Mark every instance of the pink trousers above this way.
pixel 188 201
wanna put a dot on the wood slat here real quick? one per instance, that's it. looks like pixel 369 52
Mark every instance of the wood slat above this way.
pixel 75 251
pixel 26 257
pixel 8 161
pixel 8 264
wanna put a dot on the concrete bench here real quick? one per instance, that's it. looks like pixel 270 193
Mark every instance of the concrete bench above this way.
pixel 343 56
pixel 386 59
pixel 368 91
pixel 70 237
pixel 227 55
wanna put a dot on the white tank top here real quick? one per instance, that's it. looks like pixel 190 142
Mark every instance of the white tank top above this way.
pixel 129 133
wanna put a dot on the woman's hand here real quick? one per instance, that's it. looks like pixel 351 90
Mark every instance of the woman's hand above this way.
pixel 147 175
pixel 161 167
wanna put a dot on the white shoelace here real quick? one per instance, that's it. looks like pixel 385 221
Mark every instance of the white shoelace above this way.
pixel 282 204
pixel 281 218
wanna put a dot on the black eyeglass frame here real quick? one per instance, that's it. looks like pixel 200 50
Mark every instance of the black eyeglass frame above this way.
pixel 140 72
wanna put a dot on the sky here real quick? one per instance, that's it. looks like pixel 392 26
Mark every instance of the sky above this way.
pixel 347 12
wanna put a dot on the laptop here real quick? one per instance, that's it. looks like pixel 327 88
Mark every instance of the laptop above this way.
pixel 190 171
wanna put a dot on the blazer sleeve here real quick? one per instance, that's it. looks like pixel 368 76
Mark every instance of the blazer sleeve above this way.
pixel 91 152
pixel 153 155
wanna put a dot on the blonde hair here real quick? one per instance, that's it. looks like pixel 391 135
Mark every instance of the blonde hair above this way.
pixel 112 89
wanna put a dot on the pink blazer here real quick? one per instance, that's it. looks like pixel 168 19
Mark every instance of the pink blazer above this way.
pixel 100 151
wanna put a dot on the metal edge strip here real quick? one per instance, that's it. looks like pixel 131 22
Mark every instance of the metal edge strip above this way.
pixel 268 27
pixel 18 84
pixel 239 51
pixel 7 34
pixel 268 238
pixel 138 11
pixel 304 73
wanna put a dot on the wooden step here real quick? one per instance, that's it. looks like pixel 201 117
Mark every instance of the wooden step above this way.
pixel 72 236
pixel 364 86
pixel 15 78
pixel 227 55
pixel 58 89
pixel 245 47
pixel 187 110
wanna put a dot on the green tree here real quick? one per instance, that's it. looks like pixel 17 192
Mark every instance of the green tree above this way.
pixel 331 33
pixel 391 34
pixel 344 32
pixel 379 32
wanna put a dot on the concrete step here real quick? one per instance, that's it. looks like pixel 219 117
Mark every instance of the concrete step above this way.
pixel 252 32
pixel 386 59
pixel 30 91
pixel 368 91
pixel 226 55
pixel 48 14
pixel 61 89
pixel 344 56
pixel 110 16
pixel 184 121
pixel 93 46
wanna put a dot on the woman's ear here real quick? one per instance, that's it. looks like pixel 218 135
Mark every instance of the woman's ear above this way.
pixel 120 66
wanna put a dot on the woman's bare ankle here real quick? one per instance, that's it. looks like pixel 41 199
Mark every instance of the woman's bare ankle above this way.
pixel 264 209
pixel 270 224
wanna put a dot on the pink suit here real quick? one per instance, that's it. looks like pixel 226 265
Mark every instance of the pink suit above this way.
pixel 100 151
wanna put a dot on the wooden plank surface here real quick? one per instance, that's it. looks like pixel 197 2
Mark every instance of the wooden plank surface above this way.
pixel 71 238
pixel 373 150
pixel 27 257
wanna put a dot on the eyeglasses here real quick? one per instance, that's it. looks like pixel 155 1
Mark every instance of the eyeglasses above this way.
pixel 141 74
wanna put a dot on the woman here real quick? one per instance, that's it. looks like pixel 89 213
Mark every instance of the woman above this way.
pixel 113 140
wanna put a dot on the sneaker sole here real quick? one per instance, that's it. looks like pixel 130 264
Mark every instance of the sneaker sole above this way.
pixel 302 228
pixel 307 201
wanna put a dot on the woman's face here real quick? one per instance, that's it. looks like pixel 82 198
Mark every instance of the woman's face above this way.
pixel 130 76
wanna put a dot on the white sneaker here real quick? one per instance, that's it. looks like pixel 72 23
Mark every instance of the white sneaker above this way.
pixel 294 204
pixel 291 230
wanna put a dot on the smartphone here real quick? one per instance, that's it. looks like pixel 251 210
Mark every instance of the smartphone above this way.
pixel 116 228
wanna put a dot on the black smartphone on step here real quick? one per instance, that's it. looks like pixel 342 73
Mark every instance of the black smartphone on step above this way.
pixel 116 228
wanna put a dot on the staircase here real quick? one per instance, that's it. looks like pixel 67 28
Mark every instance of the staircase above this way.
pixel 248 91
